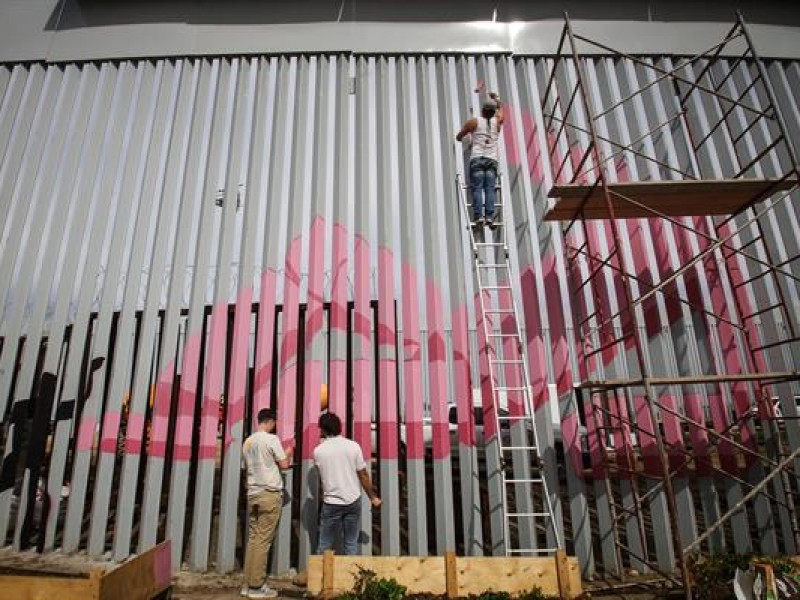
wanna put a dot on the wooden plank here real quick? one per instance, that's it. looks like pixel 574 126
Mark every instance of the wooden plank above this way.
pixel 140 578
pixel 672 198
pixel 562 570
pixel 327 574
pixel 451 574
pixel 423 574
pixel 28 587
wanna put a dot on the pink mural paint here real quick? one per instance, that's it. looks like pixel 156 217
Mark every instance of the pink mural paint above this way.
pixel 412 365
pixel 162 402
pixel 487 398
pixel 362 351
pixel 673 436
pixel 238 368
pixel 134 431
pixel 437 371
pixel 86 432
pixel 110 431
pixel 182 449
pixel 315 318
pixel 387 364
pixel 647 440
pixel 595 436
pixel 214 382
pixel 693 406
pixel 462 378
pixel 338 393
pixel 287 386
pixel 265 345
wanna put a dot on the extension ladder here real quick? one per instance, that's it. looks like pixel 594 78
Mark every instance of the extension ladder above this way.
pixel 526 502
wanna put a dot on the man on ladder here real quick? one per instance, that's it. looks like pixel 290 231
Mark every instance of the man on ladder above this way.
pixel 485 132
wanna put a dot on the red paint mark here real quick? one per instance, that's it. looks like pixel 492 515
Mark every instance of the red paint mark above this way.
pixel 412 365
pixel 110 431
pixel 86 432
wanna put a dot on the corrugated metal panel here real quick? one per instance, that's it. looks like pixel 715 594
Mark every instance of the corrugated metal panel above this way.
pixel 186 241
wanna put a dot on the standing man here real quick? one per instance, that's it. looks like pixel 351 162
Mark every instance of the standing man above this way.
pixel 263 456
pixel 485 132
pixel 343 474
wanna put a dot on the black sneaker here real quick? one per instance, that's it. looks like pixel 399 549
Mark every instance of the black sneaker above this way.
pixel 478 223
pixel 491 223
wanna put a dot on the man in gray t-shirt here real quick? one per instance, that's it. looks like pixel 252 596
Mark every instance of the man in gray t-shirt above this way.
pixel 263 456
pixel 343 474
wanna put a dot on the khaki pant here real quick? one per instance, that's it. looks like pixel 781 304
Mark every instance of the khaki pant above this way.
pixel 265 511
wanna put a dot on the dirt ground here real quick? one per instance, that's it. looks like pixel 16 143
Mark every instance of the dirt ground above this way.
pixel 211 586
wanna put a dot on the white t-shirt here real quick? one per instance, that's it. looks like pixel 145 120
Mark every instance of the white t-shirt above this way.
pixel 484 139
pixel 261 453
pixel 339 460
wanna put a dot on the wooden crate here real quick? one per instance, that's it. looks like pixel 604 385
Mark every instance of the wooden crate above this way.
pixel 453 575
pixel 142 577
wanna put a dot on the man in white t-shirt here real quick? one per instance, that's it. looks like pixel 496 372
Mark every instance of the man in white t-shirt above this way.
pixel 263 456
pixel 343 474
pixel 484 133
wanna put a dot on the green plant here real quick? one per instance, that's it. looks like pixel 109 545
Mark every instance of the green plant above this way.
pixel 713 574
pixel 368 586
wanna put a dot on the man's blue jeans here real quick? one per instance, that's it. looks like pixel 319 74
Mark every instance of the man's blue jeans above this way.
pixel 482 180
pixel 340 518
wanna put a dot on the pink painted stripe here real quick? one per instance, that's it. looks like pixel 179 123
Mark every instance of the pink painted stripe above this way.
pixel 463 381
pixel 693 405
pixel 650 458
pixel 673 436
pixel 412 365
pixel 238 369
pixel 134 431
pixel 594 434
pixel 287 396
pixel 162 403
pixel 535 342
pixel 110 431
pixel 487 399
pixel 387 362
pixel 86 433
pixel 338 393
pixel 437 371
pixel 265 344
pixel 362 352
pixel 311 407
pixel 182 450
pixel 314 326
pixel 214 382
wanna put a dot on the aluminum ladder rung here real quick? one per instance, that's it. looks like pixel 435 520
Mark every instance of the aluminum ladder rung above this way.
pixel 493 266
pixel 532 551
pixel 513 448
pixel 499 311
pixel 504 335
pixel 507 361
pixel 484 244
pixel 511 388
pixel 514 418
pixel 534 514
pixel 537 481
pixel 495 287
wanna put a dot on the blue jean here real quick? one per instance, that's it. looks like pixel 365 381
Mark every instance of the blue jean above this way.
pixel 483 179
pixel 340 518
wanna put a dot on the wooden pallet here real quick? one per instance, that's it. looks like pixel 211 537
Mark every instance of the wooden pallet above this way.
pixel 329 575
pixel 143 577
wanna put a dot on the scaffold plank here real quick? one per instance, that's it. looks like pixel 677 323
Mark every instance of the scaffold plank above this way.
pixel 677 198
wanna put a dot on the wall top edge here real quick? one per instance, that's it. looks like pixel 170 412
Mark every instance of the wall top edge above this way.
pixel 522 38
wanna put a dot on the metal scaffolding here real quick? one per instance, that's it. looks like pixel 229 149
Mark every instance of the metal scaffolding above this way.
pixel 731 413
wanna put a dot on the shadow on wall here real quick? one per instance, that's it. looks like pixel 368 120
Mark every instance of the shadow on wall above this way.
pixel 76 14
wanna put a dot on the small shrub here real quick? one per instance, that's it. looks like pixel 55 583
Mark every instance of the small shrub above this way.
pixel 368 587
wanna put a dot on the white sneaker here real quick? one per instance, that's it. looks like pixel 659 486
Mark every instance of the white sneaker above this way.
pixel 243 591
pixel 263 592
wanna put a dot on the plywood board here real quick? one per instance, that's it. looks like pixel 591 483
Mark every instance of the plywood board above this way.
pixel 473 574
pixel 46 588
pixel 140 578
pixel 672 198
